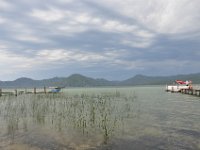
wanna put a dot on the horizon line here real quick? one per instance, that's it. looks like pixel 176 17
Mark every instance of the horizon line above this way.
pixel 99 78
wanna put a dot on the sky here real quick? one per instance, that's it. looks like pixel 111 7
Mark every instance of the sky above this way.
pixel 111 39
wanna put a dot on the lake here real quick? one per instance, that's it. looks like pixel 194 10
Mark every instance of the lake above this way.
pixel 131 118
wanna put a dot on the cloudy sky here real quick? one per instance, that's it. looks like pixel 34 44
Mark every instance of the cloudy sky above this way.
pixel 112 39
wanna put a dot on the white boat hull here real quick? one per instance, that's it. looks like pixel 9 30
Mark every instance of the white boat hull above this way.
pixel 176 88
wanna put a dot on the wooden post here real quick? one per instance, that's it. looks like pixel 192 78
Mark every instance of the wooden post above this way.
pixel 15 92
pixel 45 90
pixel 0 92
pixel 34 90
pixel 172 90
pixel 192 92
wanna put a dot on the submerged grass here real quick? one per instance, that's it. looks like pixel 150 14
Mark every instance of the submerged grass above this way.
pixel 88 112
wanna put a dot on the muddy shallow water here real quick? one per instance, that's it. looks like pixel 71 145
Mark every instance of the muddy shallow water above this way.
pixel 146 118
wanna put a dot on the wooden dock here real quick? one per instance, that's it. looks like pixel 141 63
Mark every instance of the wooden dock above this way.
pixel 17 92
pixel 194 92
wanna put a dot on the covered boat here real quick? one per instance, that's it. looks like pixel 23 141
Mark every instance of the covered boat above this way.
pixel 179 85
pixel 55 89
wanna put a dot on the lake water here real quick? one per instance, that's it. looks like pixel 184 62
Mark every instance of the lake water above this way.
pixel 131 118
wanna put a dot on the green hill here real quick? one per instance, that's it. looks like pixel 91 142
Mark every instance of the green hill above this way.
pixel 77 80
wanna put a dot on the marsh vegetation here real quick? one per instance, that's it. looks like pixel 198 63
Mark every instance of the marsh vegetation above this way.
pixel 90 115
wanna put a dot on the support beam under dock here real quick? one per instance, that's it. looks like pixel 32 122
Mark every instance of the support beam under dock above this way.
pixel 194 92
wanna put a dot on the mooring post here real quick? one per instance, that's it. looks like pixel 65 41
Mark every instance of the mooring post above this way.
pixel 187 91
pixel 15 92
pixel 0 92
pixel 45 90
pixel 182 91
pixel 199 93
pixel 194 92
pixel 34 90
pixel 172 90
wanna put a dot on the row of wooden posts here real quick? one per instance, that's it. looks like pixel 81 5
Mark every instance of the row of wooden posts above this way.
pixel 194 92
pixel 17 92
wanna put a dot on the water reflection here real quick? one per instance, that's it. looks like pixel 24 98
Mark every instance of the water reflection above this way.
pixel 123 118
pixel 90 116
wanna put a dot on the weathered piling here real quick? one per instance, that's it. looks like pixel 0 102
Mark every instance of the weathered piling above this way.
pixel 0 92
pixel 194 92
pixel 45 90
pixel 16 92
pixel 34 91
pixel 198 92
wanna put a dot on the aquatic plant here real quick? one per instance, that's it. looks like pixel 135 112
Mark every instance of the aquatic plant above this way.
pixel 89 112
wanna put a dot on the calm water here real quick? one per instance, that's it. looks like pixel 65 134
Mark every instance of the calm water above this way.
pixel 134 118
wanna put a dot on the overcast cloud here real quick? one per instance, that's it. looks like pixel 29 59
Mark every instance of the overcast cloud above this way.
pixel 111 39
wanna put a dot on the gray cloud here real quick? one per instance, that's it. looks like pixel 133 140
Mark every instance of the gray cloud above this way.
pixel 96 39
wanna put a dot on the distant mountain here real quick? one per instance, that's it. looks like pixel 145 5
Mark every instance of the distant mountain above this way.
pixel 158 80
pixel 77 80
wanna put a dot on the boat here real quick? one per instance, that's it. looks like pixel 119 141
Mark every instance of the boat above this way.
pixel 55 89
pixel 179 85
